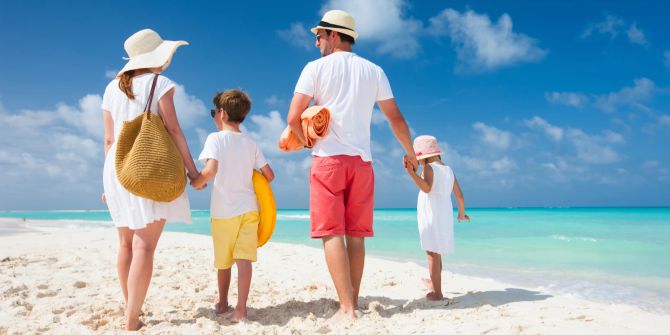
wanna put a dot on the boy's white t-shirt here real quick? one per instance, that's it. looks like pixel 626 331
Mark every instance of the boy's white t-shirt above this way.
pixel 348 85
pixel 237 156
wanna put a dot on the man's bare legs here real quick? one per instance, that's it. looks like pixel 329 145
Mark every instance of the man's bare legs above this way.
pixel 144 245
pixel 345 264
pixel 223 280
pixel 356 254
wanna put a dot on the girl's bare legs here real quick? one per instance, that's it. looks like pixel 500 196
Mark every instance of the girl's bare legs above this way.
pixel 124 259
pixel 141 268
pixel 435 270
pixel 223 279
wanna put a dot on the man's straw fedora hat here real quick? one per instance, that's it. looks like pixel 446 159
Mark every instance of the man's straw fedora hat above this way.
pixel 339 21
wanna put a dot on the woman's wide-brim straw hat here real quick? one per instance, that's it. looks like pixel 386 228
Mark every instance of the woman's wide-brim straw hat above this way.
pixel 339 21
pixel 426 146
pixel 146 49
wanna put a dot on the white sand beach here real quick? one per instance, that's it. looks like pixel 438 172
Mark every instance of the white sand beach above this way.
pixel 65 283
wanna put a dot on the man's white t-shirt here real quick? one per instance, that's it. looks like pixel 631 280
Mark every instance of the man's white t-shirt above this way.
pixel 237 156
pixel 348 85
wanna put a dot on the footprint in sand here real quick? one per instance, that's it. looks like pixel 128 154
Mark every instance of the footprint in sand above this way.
pixel 46 294
pixel 15 289
pixel 79 284
pixel 94 322
pixel 42 286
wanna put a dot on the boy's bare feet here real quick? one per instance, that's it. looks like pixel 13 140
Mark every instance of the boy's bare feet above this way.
pixel 238 315
pixel 432 296
pixel 428 283
pixel 221 307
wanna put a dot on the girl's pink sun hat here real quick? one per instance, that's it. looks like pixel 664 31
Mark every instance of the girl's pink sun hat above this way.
pixel 426 146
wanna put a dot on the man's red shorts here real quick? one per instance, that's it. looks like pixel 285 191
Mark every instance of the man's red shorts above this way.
pixel 341 196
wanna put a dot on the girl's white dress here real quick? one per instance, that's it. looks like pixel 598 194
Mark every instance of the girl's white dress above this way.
pixel 126 209
pixel 435 212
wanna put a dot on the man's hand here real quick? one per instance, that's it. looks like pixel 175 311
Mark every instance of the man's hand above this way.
pixel 463 217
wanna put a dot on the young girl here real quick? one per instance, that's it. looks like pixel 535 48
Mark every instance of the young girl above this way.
pixel 434 209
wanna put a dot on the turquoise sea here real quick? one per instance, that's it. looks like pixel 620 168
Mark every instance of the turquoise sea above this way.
pixel 618 255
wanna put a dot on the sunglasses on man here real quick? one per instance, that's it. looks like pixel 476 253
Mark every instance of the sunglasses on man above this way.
pixel 213 112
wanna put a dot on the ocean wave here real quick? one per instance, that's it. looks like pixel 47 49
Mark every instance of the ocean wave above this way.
pixel 573 238
pixel 293 216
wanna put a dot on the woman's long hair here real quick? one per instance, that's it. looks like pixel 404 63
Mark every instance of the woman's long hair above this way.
pixel 126 83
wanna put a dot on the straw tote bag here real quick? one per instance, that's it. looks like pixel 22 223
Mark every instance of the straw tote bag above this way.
pixel 148 163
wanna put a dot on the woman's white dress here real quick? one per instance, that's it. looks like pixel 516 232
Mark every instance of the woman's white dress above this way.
pixel 126 209
pixel 435 213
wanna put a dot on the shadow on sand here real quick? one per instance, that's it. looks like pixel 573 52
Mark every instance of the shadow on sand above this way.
pixel 385 307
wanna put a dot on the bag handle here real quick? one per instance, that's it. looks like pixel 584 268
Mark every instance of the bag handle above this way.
pixel 147 108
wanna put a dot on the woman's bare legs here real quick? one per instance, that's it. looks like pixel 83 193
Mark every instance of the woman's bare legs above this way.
pixel 141 268
pixel 124 259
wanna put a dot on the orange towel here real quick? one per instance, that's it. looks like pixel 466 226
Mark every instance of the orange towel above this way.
pixel 315 122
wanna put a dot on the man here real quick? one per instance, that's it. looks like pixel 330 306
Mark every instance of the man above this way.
pixel 341 176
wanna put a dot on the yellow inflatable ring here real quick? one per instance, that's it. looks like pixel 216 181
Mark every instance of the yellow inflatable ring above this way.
pixel 267 208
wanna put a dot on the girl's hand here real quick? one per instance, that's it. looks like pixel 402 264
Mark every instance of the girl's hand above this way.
pixel 463 217
pixel 408 165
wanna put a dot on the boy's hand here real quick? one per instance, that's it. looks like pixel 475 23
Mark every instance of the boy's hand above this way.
pixel 104 199
pixel 463 217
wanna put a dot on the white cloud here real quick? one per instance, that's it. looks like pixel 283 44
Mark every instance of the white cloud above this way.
pixel 111 74
pixel 378 119
pixel 493 136
pixel 383 22
pixel 275 102
pixel 577 100
pixel 555 133
pixel 666 61
pixel 613 26
pixel 594 149
pixel 483 45
pixel 636 35
pixel 664 120
pixel 189 108
pixel 298 35
pixel 266 130
pixel 636 96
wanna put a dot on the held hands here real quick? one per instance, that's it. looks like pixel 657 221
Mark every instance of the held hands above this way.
pixel 194 182
pixel 410 164
pixel 463 217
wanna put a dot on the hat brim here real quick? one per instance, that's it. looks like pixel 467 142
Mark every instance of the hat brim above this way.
pixel 420 157
pixel 339 30
pixel 159 57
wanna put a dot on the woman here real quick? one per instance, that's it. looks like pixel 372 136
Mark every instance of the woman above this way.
pixel 140 221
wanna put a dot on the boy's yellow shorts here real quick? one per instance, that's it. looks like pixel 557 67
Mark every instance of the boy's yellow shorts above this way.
pixel 235 238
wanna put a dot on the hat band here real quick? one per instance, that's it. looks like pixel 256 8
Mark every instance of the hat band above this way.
pixel 330 25
pixel 428 153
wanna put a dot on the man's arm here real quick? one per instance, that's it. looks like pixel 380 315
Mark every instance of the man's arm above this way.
pixel 399 128
pixel 299 103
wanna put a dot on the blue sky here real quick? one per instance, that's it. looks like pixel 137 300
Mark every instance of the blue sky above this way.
pixel 560 103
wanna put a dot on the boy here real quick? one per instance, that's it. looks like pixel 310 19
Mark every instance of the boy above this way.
pixel 230 158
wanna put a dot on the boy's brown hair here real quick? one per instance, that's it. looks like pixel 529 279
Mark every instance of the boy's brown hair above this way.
pixel 236 103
